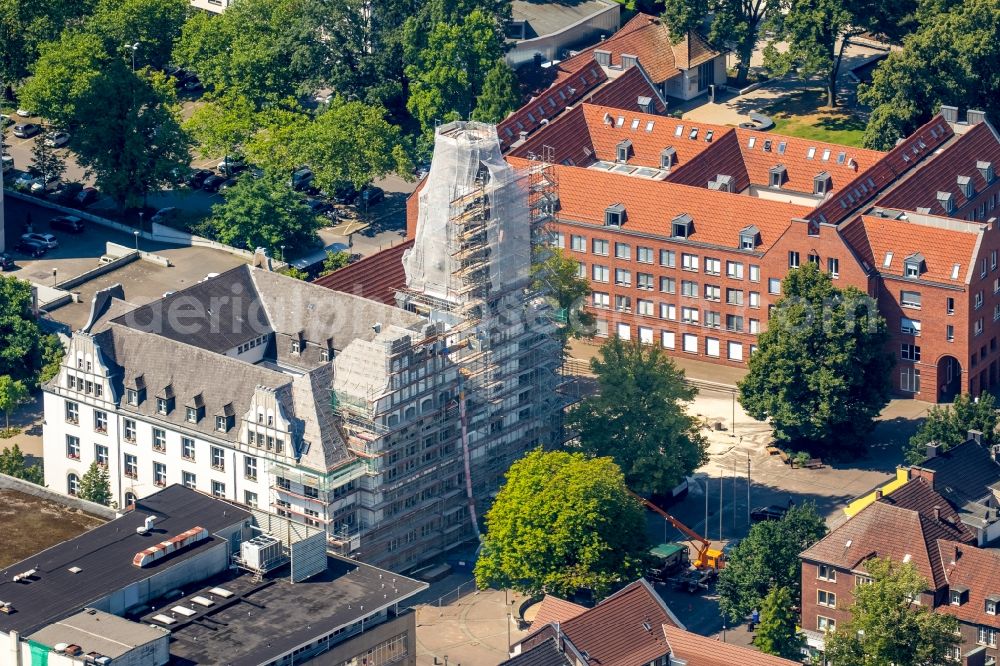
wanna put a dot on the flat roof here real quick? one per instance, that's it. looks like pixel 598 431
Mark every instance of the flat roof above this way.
pixel 100 632
pixel 547 18
pixel 260 621
pixel 24 530
pixel 104 557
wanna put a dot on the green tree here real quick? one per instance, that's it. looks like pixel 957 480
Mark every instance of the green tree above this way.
pixel 820 373
pixel 95 485
pixel 887 628
pixel 45 161
pixel 293 272
pixel 276 144
pixel 222 126
pixel 778 632
pixel 498 96
pixel 954 58
pixel 767 558
pixel 263 212
pixel 62 75
pixel 816 32
pixel 12 463
pixel 129 136
pixel 24 350
pixel 949 425
pixel 152 24
pixel 562 522
pixel 637 417
pixel 13 393
pixel 732 22
pixel 558 275
pixel 24 26
pixel 335 261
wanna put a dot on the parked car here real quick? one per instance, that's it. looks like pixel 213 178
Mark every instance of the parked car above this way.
pixel 5 120
pixel 730 547
pixel 164 215
pixel 24 113
pixel 372 195
pixel 319 206
pixel 197 178
pixel 6 262
pixel 231 165
pixel 8 163
pixel 193 85
pixel 27 130
pixel 67 193
pixel 86 196
pixel 345 194
pixel 48 240
pixel 212 183
pixel 763 513
pixel 301 179
pixel 31 248
pixel 56 139
pixel 70 223
pixel 49 184
pixel 25 181
pixel 228 183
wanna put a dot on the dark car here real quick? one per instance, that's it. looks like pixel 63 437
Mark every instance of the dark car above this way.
pixel 197 178
pixel 345 194
pixel 6 262
pixel 31 248
pixel 228 183
pixel 67 193
pixel 193 85
pixel 319 206
pixel 371 195
pixel 763 513
pixel 26 130
pixel 70 223
pixel 213 183
pixel 86 196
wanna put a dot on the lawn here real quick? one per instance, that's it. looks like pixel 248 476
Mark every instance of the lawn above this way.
pixel 804 115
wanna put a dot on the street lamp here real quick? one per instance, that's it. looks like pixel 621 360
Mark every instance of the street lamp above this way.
pixel 55 271
pixel 282 252
pixel 136 234
pixel 133 48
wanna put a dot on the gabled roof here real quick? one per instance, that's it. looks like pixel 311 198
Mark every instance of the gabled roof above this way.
pixel 975 568
pixel 901 527
pixel 554 609
pixel 698 650
pixel 648 38
pixel 377 277
pixel 650 205
pixel 625 91
pixel 964 474
pixel 943 244
pixel 722 157
pixel 942 172
pixel 546 653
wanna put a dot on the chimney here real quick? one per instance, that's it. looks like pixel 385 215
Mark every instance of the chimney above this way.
pixel 976 436
pixel 937 514
pixel 932 449
pixel 878 494
pixel 975 116
pixel 956 554
pixel 950 113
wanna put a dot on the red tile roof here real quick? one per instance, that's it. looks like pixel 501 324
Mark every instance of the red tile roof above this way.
pixel 377 277
pixel 942 247
pixel 624 92
pixel 977 569
pixel 900 526
pixel 884 173
pixel 698 650
pixel 554 609
pixel 650 206
pixel 722 157
pixel 942 172
pixel 568 138
pixel 649 39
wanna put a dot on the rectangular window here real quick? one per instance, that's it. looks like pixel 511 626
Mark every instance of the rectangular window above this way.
pixel 909 299
pixel 132 396
pixel 623 251
pixel 909 326
pixel 250 467
pixel 101 454
pixel 313 515
pixel 991 607
pixel 624 332
pixel 734 323
pixel 735 351
pixel 734 296
pixel 600 273
pixel 713 319
pixel 131 466
pixel 581 270
pixel 668 285
pixel 129 430
pixel 828 599
pixel 161 405
pixel 623 303
pixel 793 259
pixel 600 300
pixel 645 335
pixel 774 285
pixel 712 347
pixel 712 266
pixel 578 243
pixel 755 299
pixel 72 412
pixel 977 327
pixel 644 254
pixel 987 636
pixel 691 343
pixel 218 458
pixel 734 270
pixel 160 475
pixel 600 247
pixel 668 258
pixel 159 440
pixel 72 447
pixel 689 289
pixel 827 573
pixel 644 307
pixel 668 339
pixel 190 414
pixel 644 281
pixel 689 315
pixel 187 448
pixel 909 379
pixel 979 299
pixel 100 421
pixel 668 311
pixel 218 489
pixel 909 352
pixel 833 267
pixel 713 292
pixel 950 306
pixel 949 333
pixel 249 498
pixel 754 273
pixel 825 623
pixel 623 278
pixel 689 262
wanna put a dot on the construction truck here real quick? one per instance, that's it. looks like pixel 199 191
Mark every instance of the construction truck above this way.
pixel 708 558
pixel 668 559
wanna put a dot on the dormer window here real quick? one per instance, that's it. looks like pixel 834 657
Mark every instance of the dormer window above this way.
pixel 614 216
pixel 191 415
pixel 195 412
pixel 985 170
pixel 722 183
pixel 165 401
pixel 682 226
pixel 132 397
pixel 821 183
pixel 624 150
pixel 913 265
pixel 629 60
pixel 965 184
pixel 947 201
pixel 668 157
pixel 778 174
pixel 603 58
pixel 748 238
pixel 992 602
pixel 958 595
pixel 227 419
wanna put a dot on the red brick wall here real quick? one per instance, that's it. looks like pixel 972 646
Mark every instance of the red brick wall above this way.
pixel 811 584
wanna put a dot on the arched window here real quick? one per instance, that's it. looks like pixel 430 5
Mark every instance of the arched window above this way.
pixel 73 484
pixel 130 500
pixel 426 406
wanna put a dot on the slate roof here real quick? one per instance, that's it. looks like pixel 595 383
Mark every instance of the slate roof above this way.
pixel 554 609
pixel 941 174
pixel 963 475
pixel 377 277
pixel 900 526
pixel 942 246
pixel 546 653
pixel 698 650
pixel 977 569
pixel 651 205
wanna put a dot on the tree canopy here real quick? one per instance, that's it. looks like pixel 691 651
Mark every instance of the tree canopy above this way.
pixel 637 417
pixel 25 25
pixel 949 425
pixel 12 394
pixel 778 633
pixel 95 485
pixel 26 354
pixel 820 373
pixel 886 628
pixel 561 522
pixel 558 274
pixel 768 558
pixel 13 463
